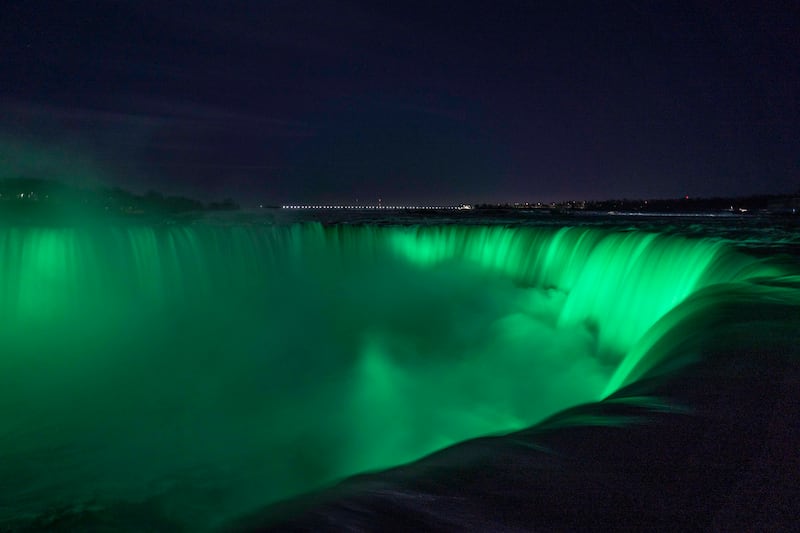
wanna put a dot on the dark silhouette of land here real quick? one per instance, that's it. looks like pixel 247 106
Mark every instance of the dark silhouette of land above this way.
pixel 760 204
pixel 41 199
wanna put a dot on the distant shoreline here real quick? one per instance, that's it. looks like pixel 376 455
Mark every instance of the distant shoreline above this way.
pixel 39 197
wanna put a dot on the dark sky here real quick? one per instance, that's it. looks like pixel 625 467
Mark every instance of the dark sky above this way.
pixel 329 101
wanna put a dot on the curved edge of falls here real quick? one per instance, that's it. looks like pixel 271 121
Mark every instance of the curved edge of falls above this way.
pixel 703 340
pixel 703 436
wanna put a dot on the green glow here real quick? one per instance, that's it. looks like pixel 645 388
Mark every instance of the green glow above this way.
pixel 622 282
pixel 281 358
pixel 70 161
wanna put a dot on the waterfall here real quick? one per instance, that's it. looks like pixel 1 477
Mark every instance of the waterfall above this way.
pixel 280 358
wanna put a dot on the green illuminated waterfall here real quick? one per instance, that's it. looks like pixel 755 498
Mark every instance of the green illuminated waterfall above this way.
pixel 262 361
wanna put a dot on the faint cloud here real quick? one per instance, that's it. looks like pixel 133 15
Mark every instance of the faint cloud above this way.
pixel 147 113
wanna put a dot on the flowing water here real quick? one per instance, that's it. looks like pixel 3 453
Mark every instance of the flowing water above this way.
pixel 213 368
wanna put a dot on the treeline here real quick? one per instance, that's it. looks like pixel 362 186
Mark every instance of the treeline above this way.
pixel 754 203
pixel 27 194
pixel 693 205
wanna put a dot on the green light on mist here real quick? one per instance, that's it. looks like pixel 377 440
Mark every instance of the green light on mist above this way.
pixel 280 358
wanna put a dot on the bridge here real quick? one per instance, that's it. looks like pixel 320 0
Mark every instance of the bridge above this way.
pixel 381 207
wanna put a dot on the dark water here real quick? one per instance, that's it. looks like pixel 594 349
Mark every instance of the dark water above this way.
pixel 183 376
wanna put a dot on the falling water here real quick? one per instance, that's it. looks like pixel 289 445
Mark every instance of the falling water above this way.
pixel 241 364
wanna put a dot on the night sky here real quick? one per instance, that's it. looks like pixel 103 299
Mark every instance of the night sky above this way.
pixel 332 101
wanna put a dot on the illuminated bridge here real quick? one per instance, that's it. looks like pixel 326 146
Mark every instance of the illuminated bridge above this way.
pixel 381 207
